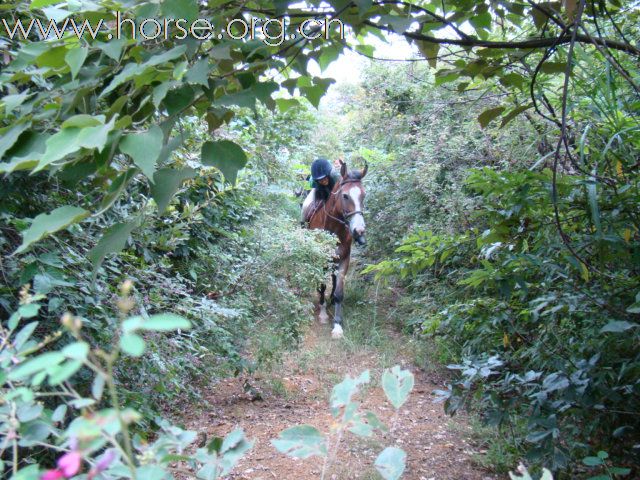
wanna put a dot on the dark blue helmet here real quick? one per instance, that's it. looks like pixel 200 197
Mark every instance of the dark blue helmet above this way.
pixel 320 168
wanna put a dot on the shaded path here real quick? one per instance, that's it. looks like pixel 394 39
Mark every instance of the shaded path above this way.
pixel 438 447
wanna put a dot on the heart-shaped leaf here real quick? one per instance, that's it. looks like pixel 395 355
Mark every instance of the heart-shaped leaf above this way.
pixel 391 463
pixel 301 441
pixel 397 384
pixel 226 156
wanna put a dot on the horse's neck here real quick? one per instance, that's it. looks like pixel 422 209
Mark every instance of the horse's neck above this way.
pixel 333 206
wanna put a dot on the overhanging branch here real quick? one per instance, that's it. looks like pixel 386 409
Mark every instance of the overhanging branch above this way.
pixel 514 45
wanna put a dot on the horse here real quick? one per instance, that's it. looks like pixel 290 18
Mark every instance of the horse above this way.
pixel 341 214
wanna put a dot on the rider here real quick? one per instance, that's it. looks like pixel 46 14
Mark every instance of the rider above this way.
pixel 322 180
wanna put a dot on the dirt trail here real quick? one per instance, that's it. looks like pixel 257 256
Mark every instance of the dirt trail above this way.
pixel 437 446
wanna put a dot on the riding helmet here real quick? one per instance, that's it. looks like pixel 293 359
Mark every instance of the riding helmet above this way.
pixel 320 168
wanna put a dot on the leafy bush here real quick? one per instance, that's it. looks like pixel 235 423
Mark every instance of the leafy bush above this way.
pixel 525 272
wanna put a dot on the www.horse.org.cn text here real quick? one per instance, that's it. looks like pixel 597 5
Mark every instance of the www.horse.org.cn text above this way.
pixel 272 31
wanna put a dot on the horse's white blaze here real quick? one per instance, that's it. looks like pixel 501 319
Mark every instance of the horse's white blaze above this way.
pixel 357 221
pixel 322 316
pixel 337 331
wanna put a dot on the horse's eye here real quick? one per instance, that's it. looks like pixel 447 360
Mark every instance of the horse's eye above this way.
pixel 345 196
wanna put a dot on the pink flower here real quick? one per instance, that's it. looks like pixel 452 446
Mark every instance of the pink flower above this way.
pixel 69 463
pixel 103 463
pixel 52 475
pixel 106 459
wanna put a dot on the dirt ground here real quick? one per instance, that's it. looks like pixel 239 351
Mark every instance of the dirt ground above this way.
pixel 438 447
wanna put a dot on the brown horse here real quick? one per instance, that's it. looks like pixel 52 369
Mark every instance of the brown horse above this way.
pixel 341 214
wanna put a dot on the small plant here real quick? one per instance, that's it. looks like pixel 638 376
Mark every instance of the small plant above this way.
pixel 304 441
pixel 601 462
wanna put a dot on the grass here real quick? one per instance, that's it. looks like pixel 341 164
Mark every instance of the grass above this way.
pixel 497 452
pixel 278 388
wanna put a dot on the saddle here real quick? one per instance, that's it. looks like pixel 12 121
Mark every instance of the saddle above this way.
pixel 310 212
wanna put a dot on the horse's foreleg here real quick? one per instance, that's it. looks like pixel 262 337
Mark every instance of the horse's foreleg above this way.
pixel 322 316
pixel 338 295
pixel 333 288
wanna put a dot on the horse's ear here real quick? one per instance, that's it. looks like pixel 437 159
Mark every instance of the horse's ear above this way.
pixel 364 170
pixel 343 168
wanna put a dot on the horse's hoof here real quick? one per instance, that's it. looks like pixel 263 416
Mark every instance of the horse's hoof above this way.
pixel 337 331
pixel 322 316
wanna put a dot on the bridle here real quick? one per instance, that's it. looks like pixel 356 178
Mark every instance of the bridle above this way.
pixel 345 216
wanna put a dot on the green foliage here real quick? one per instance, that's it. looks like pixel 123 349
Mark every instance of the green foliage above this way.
pixel 230 260
pixel 48 223
pixel 226 156
pixel 397 384
pixel 541 323
pixel 391 463
pixel 302 441
pixel 96 434
pixel 222 455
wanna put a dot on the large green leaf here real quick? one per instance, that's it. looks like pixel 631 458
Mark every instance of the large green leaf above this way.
pixel 397 384
pixel 11 102
pixel 618 326
pixel 9 136
pixel 35 365
pixel 234 446
pixel 76 350
pixel 132 344
pixel 514 113
pixel 301 441
pixel 592 193
pixel 364 425
pixel 162 322
pixel 429 50
pixel 342 392
pixel 166 182
pixel 132 69
pixel 75 58
pixel 23 335
pixel 178 99
pixel 315 92
pixel 226 156
pixel 144 148
pixel 63 372
pixel 48 223
pixel 73 138
pixel 165 322
pixel 26 153
pixel 112 241
pixel 391 463
pixel 199 73
pixel 187 9
pixel 485 117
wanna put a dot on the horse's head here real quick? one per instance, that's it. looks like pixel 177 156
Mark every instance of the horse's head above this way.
pixel 352 200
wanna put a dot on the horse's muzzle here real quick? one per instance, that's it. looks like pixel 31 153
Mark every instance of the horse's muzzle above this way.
pixel 358 234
